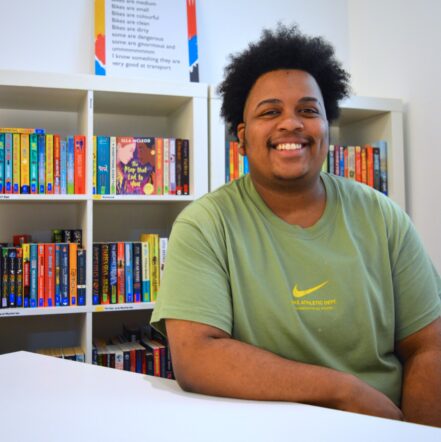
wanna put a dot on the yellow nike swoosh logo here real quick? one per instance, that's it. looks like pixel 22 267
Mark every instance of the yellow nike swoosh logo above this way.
pixel 300 293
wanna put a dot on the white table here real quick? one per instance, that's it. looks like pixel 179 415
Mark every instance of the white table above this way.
pixel 48 399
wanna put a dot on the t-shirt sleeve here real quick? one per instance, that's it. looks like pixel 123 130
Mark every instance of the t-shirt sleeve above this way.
pixel 417 284
pixel 195 286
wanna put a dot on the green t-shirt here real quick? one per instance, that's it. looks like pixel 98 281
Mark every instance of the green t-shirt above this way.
pixel 337 294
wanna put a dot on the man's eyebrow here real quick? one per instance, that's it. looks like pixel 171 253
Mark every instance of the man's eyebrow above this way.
pixel 278 101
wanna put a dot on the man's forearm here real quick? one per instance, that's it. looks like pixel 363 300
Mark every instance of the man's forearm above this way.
pixel 421 401
pixel 217 365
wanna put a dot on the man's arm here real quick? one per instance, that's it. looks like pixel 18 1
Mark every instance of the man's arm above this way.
pixel 207 360
pixel 421 357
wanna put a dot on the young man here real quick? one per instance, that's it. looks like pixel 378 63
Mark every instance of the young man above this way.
pixel 294 285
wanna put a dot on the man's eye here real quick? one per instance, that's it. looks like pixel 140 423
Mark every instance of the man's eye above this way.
pixel 309 110
pixel 270 112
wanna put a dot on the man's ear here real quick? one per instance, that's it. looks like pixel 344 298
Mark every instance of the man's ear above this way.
pixel 241 136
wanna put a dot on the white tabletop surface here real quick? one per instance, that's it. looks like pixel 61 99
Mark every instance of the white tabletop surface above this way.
pixel 48 399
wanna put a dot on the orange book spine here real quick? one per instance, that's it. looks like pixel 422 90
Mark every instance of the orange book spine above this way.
pixel 80 164
pixel 41 275
pixel 363 165
pixel 370 165
pixel 73 273
pixel 49 280
pixel 231 160
pixel 236 159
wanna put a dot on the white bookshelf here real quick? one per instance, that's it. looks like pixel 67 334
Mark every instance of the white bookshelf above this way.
pixel 91 105
pixel 363 120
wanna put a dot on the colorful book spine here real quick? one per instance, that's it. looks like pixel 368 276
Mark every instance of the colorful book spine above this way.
pixel 96 277
pixel 137 272
pixel 94 166
pixel 112 171
pixel 41 147
pixel 103 165
pixel 19 277
pixel 153 240
pixel 178 166
pixel 79 164
pixel 166 166
pixel 227 161
pixel 12 258
pixel 73 274
pixel 24 163
pixel 370 166
pixel 63 167
pixel 16 164
pixel 70 165
pixel 33 289
pixel 26 249
pixel 2 163
pixel 186 167
pixel 121 273
pixel 172 187
pixel 8 163
pixel 81 276
pixel 4 277
pixel 128 258
pixel 41 276
pixel 21 130
pixel 104 294
pixel 49 283
pixel 145 271
pixel 64 274
pixel 113 272
pixel 382 145
pixel 57 275
pixel 33 163
pixel 159 164
pixel 351 162
pixel 49 164
pixel 376 167
pixel 163 244
pixel 57 164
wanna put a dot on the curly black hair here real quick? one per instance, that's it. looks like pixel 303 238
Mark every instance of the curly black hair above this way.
pixel 284 48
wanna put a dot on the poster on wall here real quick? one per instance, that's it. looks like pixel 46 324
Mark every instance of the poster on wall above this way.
pixel 154 39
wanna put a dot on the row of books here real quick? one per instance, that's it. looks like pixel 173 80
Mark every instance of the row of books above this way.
pixel 141 166
pixel 147 353
pixel 128 272
pixel 33 162
pixel 42 275
pixel 236 165
pixel 71 353
pixel 366 164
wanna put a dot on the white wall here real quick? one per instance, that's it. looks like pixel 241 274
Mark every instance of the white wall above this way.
pixel 395 48
pixel 391 47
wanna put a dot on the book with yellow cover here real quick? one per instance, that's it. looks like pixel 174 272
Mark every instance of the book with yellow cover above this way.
pixel 16 163
pixel 153 240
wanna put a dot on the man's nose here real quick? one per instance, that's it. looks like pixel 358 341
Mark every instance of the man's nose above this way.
pixel 290 121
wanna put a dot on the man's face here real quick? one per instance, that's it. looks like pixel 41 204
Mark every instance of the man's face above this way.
pixel 285 130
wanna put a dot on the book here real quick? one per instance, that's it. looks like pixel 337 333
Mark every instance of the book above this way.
pixel 94 192
pixel 96 277
pixel 63 167
pixel 79 164
pixel 57 164
pixel 112 166
pixel 49 164
pixel 186 167
pixel 145 271
pixel 163 243
pixel 166 166
pixel 376 167
pixel 19 277
pixel 137 271
pixel 33 163
pixel 41 147
pixel 73 269
pixel 153 240
pixel 159 160
pixel 128 261
pixel 382 145
pixel 21 130
pixel 103 165
pixel 121 282
pixel 33 283
pixel 49 281
pixel 57 275
pixel 8 163
pixel 2 163
pixel 41 275
pixel 26 274
pixel 113 272
pixel 70 165
pixel 172 175
pixel 16 164
pixel 179 166
pixel 104 272
pixel 135 166
pixel 81 276
pixel 64 274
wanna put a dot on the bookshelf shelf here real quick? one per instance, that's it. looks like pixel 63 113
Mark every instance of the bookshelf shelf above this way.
pixel 362 120
pixel 91 105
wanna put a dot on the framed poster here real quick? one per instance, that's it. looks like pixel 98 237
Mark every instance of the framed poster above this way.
pixel 154 39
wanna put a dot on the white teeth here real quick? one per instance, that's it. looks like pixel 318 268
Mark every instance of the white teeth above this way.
pixel 288 146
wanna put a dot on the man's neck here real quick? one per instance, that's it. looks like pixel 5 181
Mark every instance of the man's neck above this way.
pixel 302 206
